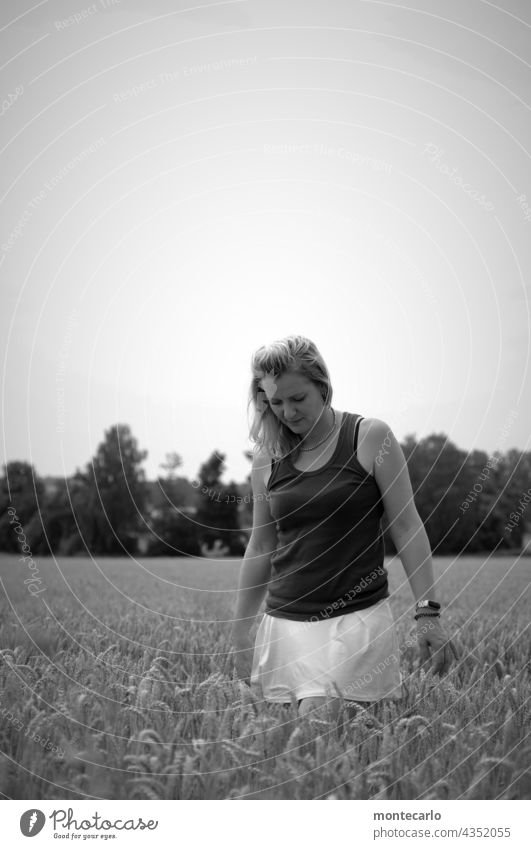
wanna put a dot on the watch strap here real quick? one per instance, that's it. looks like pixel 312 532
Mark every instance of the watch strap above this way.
pixel 427 604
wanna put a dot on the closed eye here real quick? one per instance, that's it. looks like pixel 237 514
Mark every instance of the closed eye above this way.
pixel 297 400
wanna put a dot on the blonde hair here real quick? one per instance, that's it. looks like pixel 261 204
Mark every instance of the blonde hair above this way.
pixel 291 355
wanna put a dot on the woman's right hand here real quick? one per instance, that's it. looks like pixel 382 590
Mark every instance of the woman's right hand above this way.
pixel 243 651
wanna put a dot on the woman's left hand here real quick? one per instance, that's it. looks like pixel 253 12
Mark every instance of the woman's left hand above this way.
pixel 434 645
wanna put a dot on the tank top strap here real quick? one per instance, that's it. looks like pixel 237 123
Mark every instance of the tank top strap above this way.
pixel 348 438
pixel 349 445
pixel 274 467
pixel 356 431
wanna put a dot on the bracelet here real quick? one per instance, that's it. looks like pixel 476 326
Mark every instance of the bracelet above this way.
pixel 419 615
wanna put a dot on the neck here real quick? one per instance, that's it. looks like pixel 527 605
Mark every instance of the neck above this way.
pixel 320 428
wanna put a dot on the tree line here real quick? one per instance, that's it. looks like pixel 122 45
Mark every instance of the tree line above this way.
pixel 469 502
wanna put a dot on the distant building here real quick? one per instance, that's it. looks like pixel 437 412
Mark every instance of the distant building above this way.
pixel 217 550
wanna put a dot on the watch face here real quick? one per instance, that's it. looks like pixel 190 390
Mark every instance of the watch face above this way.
pixel 423 604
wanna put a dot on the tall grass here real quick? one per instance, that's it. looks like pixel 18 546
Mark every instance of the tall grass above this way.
pixel 124 670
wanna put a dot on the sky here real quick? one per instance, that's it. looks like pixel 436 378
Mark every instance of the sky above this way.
pixel 181 186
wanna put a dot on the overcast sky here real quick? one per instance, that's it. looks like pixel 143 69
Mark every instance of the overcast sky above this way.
pixel 179 188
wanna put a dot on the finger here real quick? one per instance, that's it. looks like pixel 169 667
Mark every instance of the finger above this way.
pixel 425 657
pixel 446 660
pixel 454 650
pixel 451 654
pixel 438 661
pixel 424 650
pixel 447 663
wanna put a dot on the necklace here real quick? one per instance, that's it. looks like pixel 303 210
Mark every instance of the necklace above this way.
pixel 324 438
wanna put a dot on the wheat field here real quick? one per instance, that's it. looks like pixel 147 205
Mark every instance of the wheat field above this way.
pixel 117 683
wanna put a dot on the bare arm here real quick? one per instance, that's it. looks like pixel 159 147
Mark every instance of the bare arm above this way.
pixel 412 544
pixel 405 525
pixel 255 570
pixel 254 575
pixel 414 550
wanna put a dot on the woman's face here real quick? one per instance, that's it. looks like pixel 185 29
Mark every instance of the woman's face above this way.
pixel 296 401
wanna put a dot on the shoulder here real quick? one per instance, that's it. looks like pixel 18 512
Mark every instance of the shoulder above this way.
pixel 374 428
pixel 261 459
pixel 392 477
pixel 374 438
pixel 369 427
pixel 371 431
pixel 261 455
pixel 261 468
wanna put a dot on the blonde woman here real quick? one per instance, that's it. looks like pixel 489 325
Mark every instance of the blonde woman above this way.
pixel 321 480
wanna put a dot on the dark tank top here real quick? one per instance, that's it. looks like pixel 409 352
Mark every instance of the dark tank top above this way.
pixel 330 554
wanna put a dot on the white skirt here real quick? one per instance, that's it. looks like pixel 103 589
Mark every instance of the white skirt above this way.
pixel 357 652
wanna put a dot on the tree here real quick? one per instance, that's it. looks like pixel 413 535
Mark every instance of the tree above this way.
pixel 217 513
pixel 173 461
pixel 437 469
pixel 173 534
pixel 173 531
pixel 168 491
pixel 513 481
pixel 245 512
pixel 111 494
pixel 22 490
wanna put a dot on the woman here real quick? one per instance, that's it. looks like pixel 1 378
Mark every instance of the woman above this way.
pixel 321 480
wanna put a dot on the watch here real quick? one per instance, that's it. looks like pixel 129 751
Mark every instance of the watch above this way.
pixel 426 603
